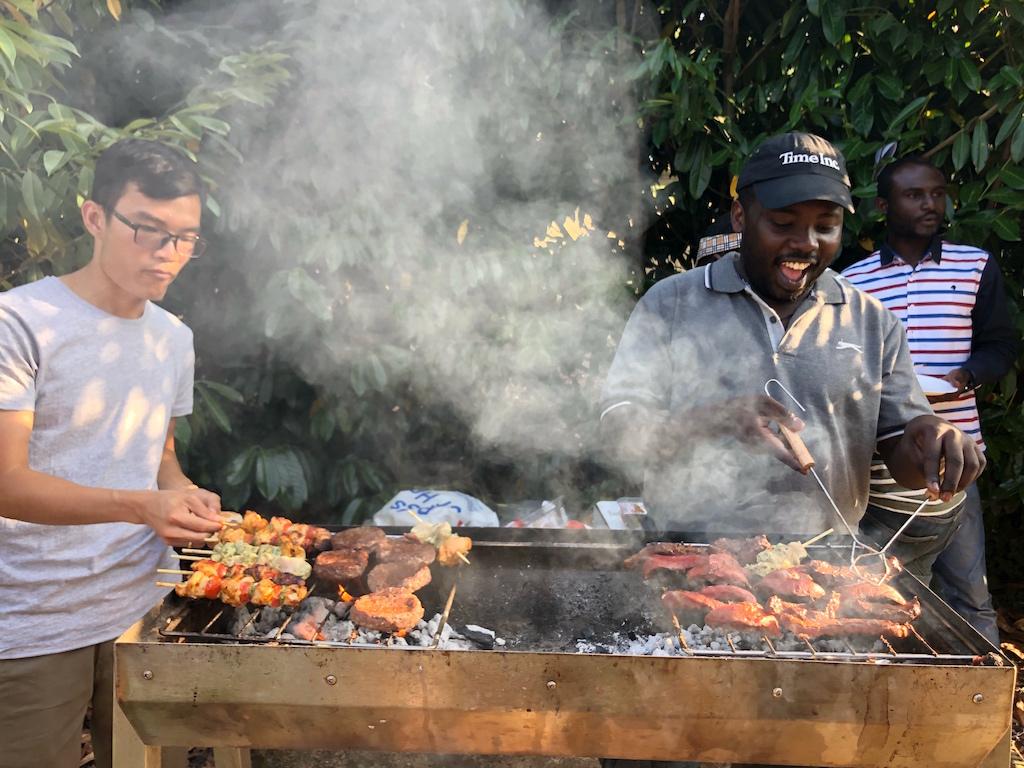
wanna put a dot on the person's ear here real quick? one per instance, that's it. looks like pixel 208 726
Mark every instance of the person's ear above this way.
pixel 736 215
pixel 94 218
pixel 882 205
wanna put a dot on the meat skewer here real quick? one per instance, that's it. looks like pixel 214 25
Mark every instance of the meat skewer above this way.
pixel 449 545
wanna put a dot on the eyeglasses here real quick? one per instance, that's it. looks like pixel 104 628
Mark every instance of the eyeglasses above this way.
pixel 151 238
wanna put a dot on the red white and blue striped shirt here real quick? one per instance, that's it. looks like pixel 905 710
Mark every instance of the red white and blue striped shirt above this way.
pixel 953 307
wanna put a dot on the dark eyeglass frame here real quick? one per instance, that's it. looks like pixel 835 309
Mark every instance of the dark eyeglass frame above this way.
pixel 198 243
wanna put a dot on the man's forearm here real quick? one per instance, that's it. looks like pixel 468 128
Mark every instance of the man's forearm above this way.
pixel 35 497
pixel 169 477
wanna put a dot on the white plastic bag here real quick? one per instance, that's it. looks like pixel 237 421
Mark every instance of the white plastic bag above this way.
pixel 457 509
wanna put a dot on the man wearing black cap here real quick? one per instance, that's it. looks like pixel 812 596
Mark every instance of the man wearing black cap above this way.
pixel 712 357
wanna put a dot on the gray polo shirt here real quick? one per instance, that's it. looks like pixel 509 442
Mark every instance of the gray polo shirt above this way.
pixel 703 336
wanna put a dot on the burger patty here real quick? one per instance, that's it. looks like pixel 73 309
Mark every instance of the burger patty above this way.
pixel 401 573
pixel 406 551
pixel 390 610
pixel 365 537
pixel 339 566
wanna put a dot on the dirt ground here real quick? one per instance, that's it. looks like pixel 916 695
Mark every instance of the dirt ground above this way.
pixel 1011 631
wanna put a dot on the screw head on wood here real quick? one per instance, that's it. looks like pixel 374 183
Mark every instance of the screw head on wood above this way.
pixel 147 675
pixel 331 679
pixel 777 693
pixel 977 698
pixel 551 685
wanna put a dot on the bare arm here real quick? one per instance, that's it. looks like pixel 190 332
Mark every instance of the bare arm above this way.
pixel 178 516
pixel 933 454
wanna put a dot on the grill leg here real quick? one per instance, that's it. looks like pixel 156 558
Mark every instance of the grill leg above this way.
pixel 231 757
pixel 999 757
pixel 130 752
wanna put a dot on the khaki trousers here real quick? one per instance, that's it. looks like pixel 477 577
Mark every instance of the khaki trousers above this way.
pixel 42 706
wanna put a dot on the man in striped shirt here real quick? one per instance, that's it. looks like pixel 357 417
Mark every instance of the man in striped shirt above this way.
pixel 951 301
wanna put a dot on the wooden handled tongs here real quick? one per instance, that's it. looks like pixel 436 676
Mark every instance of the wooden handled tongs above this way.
pixel 798 448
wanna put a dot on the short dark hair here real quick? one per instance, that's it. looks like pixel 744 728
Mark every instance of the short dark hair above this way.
pixel 159 171
pixel 885 175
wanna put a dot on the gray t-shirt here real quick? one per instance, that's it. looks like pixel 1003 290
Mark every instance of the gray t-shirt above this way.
pixel 703 336
pixel 103 390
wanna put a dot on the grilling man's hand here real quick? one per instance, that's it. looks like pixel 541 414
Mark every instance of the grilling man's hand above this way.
pixel 182 518
pixel 748 419
pixel 934 455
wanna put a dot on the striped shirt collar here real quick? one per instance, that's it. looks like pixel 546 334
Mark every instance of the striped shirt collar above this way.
pixel 887 254
pixel 723 277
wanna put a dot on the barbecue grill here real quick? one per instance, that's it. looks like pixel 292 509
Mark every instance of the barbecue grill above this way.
pixel 941 698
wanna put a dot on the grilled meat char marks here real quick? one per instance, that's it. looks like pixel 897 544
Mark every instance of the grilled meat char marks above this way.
pixel 401 574
pixel 390 610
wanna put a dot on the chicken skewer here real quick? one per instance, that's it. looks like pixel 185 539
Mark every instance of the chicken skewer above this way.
pixel 449 545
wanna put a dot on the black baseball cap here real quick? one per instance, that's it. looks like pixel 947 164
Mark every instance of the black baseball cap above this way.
pixel 795 167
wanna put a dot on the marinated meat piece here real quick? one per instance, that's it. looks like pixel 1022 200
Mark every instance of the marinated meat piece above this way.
pixel 744 617
pixel 390 610
pixel 826 627
pixel 660 548
pixel 744 550
pixel 681 601
pixel 450 549
pixel 400 574
pixel 791 585
pixel 727 593
pixel 678 563
pixel 340 566
pixel 407 550
pixel 776 606
pixel 855 608
pixel 873 593
pixel 827 575
pixel 364 537
pixel 718 571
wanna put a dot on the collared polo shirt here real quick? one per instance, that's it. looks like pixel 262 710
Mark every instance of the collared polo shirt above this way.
pixel 934 301
pixel 702 337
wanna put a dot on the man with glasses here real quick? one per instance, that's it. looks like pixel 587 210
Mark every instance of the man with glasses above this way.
pixel 93 376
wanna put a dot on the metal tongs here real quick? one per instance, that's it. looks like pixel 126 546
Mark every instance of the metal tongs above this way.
pixel 861 554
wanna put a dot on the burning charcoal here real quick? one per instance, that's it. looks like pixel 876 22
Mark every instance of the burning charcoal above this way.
pixel 485 637
pixel 239 624
pixel 586 633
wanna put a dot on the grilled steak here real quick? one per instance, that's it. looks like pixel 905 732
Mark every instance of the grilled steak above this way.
pixel 744 617
pixel 791 585
pixel 660 548
pixel 744 550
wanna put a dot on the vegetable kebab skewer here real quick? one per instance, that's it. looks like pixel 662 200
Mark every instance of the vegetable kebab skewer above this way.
pixel 251 528
pixel 450 546
pixel 238 584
